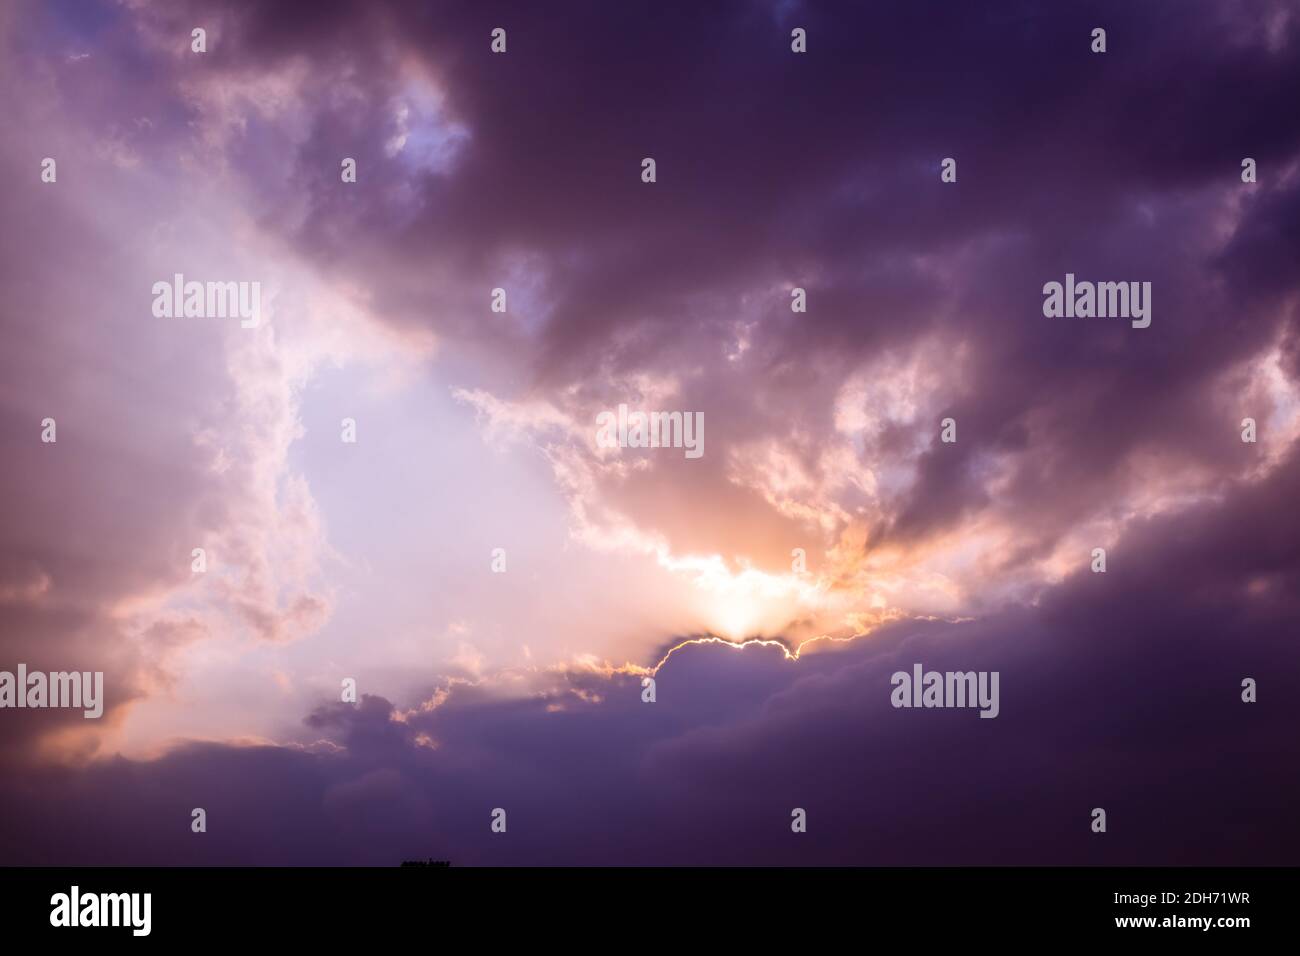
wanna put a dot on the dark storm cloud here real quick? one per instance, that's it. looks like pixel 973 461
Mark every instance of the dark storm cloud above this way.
pixel 819 170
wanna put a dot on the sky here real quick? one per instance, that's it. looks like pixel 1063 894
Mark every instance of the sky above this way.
pixel 498 584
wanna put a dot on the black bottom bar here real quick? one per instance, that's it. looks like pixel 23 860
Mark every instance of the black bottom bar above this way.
pixel 438 902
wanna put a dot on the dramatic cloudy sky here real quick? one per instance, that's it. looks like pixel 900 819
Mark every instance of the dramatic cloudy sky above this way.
pixel 476 430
